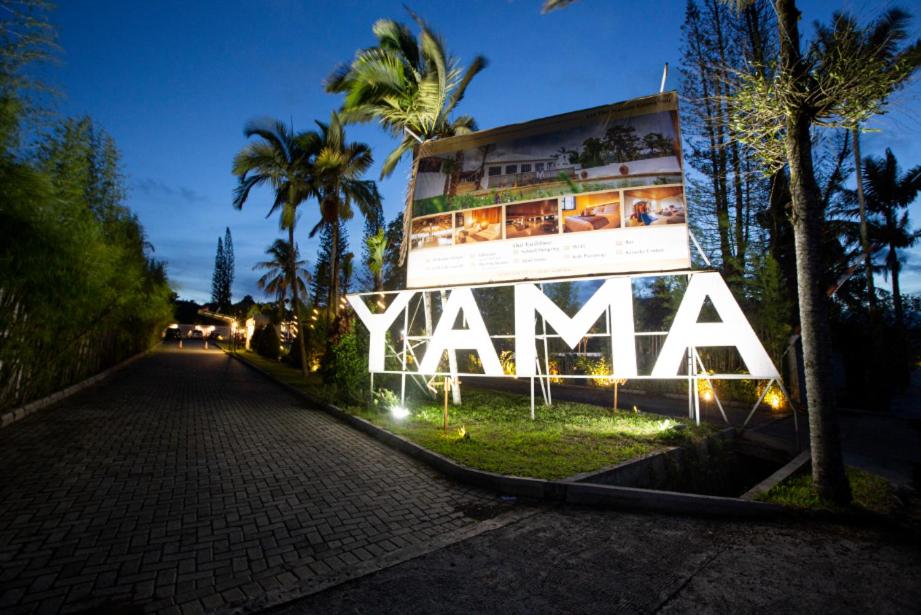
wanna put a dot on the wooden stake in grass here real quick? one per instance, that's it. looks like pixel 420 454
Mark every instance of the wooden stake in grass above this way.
pixel 617 382
pixel 447 387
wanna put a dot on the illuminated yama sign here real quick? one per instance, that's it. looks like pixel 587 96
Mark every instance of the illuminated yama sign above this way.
pixel 614 298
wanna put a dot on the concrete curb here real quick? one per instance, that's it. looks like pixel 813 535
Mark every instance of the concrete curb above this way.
pixel 551 490
pixel 780 475
pixel 602 475
pixel 17 414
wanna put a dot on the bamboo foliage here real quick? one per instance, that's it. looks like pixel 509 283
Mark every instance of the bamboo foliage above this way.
pixel 79 290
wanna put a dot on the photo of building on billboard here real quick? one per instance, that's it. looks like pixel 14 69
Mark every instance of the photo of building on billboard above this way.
pixel 541 199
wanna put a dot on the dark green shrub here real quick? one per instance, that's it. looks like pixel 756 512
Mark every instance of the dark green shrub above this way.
pixel 265 342
pixel 293 358
pixel 345 365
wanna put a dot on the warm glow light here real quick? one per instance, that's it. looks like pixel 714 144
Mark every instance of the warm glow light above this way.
pixel 708 395
pixel 399 412
pixel 774 400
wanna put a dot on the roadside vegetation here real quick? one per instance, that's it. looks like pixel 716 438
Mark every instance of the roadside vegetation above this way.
pixel 79 288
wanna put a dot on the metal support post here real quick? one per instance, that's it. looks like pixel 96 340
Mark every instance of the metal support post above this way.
pixel 700 250
pixel 758 403
pixel 703 368
pixel 405 336
pixel 696 390
pixel 548 398
pixel 532 398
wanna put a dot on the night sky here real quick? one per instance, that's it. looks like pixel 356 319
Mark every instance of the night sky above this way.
pixel 174 83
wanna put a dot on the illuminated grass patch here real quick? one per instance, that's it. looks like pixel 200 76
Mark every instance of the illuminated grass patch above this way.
pixel 498 435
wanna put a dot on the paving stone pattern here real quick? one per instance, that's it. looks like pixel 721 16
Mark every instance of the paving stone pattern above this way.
pixel 188 483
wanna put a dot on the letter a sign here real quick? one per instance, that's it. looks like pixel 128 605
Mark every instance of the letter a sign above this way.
pixel 734 330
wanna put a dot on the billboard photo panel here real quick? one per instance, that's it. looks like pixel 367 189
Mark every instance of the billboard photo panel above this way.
pixel 586 193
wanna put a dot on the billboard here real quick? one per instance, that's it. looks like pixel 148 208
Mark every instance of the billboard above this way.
pixel 592 192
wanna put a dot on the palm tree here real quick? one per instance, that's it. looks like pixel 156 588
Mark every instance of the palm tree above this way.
pixel 411 87
pixel 281 159
pixel 277 278
pixel 337 170
pixel 888 195
pixel 877 49
pixel 377 250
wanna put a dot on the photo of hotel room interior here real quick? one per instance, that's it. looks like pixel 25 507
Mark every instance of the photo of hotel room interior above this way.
pixel 431 232
pixel 591 212
pixel 655 205
pixel 531 219
pixel 478 225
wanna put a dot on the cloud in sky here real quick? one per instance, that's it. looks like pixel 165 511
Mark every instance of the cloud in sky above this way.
pixel 154 188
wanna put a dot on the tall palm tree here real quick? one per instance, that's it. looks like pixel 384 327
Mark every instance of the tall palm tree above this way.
pixel 888 195
pixel 411 87
pixel 281 159
pixel 877 48
pixel 337 171
pixel 277 279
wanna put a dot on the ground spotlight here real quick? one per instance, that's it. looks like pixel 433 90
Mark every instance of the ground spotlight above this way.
pixel 399 412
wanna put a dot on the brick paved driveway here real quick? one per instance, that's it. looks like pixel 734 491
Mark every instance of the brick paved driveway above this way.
pixel 189 483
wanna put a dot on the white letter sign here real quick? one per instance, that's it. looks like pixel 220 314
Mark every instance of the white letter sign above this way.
pixel 616 293
pixel 378 324
pixel 446 337
pixel 734 330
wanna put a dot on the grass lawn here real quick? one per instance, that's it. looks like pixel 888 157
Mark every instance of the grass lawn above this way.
pixel 871 493
pixel 563 440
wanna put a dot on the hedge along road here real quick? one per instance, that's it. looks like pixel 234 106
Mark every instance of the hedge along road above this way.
pixel 189 480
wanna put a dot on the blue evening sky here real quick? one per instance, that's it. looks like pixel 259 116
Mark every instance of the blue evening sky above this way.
pixel 174 83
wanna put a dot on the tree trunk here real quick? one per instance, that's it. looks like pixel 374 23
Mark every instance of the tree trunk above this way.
pixel 292 273
pixel 864 235
pixel 828 474
pixel 408 208
pixel 903 378
pixel 333 298
pixel 895 267
pixel 281 305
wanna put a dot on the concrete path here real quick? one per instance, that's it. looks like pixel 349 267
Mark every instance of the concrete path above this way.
pixel 191 484
pixel 573 560
pixel 190 481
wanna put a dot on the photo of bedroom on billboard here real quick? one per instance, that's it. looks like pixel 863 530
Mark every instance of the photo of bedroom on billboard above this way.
pixel 591 212
pixel 475 225
pixel 654 206
pixel 532 219
pixel 432 232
